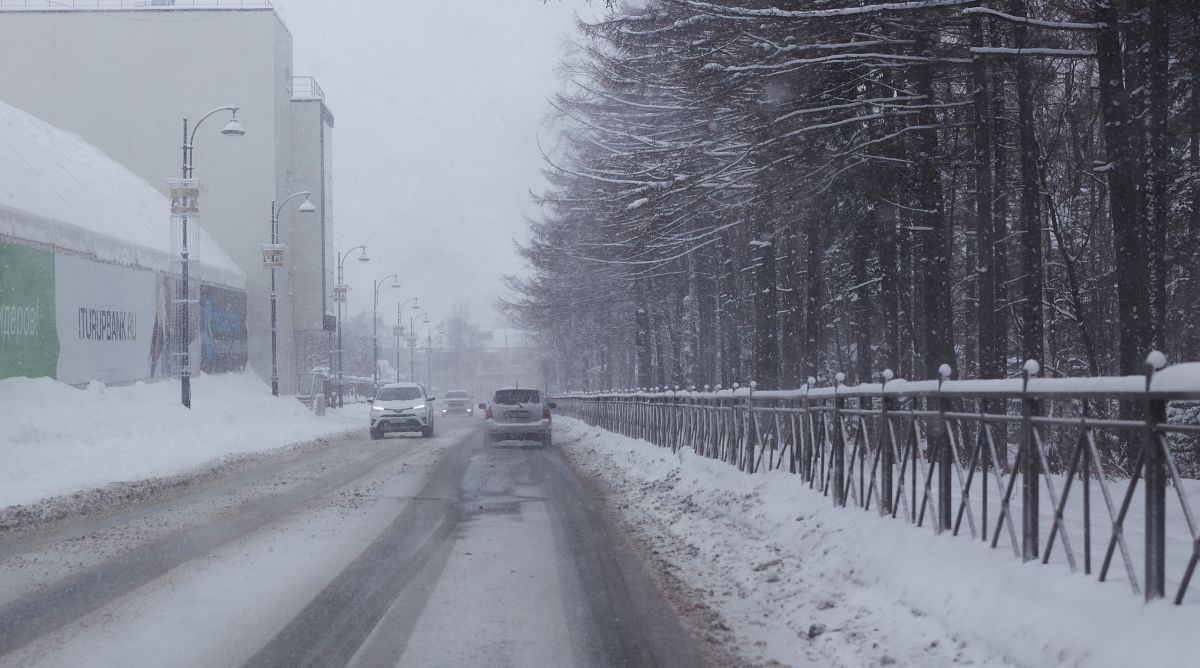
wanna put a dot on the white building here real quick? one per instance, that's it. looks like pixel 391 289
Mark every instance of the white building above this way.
pixel 123 75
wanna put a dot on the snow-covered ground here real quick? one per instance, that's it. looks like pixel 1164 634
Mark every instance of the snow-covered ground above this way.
pixel 56 439
pixel 799 582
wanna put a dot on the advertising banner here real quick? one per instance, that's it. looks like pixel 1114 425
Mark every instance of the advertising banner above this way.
pixel 28 339
pixel 105 321
pixel 222 329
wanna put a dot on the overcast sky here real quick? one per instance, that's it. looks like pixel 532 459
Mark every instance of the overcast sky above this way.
pixel 438 105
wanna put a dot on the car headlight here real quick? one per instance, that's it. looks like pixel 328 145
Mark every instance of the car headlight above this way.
pixel 418 408
pixel 377 408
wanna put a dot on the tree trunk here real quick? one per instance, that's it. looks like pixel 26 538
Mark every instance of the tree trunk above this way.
pixel 642 339
pixel 812 301
pixel 934 261
pixel 766 308
pixel 1159 159
pixel 1125 212
pixel 1032 322
pixel 985 239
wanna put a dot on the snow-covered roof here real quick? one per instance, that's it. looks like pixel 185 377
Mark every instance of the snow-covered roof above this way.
pixel 60 191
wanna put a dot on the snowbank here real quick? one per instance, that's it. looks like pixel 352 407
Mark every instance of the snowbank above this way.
pixel 801 582
pixel 56 439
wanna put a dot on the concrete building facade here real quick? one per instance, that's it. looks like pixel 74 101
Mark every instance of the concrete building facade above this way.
pixel 123 78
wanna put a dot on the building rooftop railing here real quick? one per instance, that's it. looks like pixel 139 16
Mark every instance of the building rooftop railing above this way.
pixel 306 88
pixel 109 5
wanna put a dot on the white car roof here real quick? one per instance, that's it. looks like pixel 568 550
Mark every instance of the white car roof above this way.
pixel 394 385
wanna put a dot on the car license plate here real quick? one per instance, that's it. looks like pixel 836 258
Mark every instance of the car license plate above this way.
pixel 518 414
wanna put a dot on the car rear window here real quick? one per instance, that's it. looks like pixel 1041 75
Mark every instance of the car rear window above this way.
pixel 456 394
pixel 398 393
pixel 509 397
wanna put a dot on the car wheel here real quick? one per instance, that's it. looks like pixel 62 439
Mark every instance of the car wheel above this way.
pixel 488 440
pixel 427 432
pixel 376 435
pixel 547 441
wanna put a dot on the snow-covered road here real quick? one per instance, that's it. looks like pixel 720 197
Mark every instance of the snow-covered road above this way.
pixel 406 551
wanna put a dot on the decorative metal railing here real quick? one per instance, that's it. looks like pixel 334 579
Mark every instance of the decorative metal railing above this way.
pixel 1023 460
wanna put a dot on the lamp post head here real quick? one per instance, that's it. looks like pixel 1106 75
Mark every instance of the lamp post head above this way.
pixel 307 206
pixel 395 283
pixel 233 128
pixel 363 257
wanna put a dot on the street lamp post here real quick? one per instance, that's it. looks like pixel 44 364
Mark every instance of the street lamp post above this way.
pixel 412 345
pixel 429 351
pixel 400 329
pixel 375 326
pixel 340 291
pixel 185 195
pixel 273 259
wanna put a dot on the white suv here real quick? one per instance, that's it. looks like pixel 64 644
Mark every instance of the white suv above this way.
pixel 401 407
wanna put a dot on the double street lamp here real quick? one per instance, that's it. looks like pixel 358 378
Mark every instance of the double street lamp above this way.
pixel 273 259
pixel 185 203
pixel 375 325
pixel 340 290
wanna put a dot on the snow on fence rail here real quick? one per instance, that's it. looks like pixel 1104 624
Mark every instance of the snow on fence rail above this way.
pixel 1023 461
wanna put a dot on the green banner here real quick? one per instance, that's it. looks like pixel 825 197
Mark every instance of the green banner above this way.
pixel 28 337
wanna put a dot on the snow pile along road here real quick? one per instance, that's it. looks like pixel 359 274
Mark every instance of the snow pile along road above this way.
pixel 56 439
pixel 799 582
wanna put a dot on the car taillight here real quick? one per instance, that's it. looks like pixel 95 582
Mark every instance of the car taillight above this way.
pixel 488 415
pixel 545 412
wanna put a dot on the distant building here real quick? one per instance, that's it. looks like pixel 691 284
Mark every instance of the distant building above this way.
pixel 123 77
pixel 501 358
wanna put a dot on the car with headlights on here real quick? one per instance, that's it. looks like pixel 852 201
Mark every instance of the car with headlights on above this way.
pixel 516 414
pixel 401 407
pixel 457 402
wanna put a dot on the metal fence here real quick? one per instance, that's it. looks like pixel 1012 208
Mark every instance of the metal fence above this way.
pixel 1019 461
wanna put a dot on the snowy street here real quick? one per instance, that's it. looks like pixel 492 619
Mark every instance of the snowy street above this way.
pixel 599 333
pixel 404 551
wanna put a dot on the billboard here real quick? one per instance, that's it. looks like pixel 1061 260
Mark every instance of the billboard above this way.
pixel 105 320
pixel 28 339
pixel 222 329
pixel 77 320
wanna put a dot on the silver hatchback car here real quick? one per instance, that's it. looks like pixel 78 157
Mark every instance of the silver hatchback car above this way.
pixel 517 415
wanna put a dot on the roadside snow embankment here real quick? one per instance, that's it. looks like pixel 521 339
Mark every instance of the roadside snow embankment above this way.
pixel 56 439
pixel 800 582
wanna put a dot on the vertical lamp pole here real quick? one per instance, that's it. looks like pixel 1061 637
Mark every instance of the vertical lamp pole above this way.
pixel 412 345
pixel 429 352
pixel 375 326
pixel 273 259
pixel 185 202
pixel 400 329
pixel 340 290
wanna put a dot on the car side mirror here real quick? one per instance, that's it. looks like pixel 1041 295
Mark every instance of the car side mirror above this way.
pixel 483 407
pixel 370 401
pixel 431 399
pixel 551 404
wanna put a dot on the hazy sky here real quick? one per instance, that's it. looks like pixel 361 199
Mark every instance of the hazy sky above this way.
pixel 438 105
